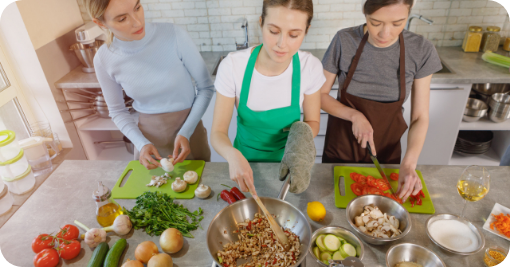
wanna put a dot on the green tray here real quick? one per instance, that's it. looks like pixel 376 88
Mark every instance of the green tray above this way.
pixel 342 201
pixel 140 176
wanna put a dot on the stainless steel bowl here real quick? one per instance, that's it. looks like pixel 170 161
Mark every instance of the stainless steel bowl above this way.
pixel 386 205
pixel 467 118
pixel 476 231
pixel 343 233
pixel 412 253
pixel 498 116
pixel 475 108
pixel 489 89
pixel 86 53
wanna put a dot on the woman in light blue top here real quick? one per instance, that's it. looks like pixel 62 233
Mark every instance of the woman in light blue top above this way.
pixel 154 63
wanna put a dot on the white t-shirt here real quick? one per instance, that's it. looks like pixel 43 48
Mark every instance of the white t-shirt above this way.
pixel 267 93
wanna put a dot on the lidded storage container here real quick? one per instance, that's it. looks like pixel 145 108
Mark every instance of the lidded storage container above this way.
pixel 473 39
pixel 6 199
pixel 490 39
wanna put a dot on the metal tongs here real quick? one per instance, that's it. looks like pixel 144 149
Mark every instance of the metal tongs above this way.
pixel 347 262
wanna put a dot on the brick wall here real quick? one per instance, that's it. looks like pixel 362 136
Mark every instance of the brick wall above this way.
pixel 215 25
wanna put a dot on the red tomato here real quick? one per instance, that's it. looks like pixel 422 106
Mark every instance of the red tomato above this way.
pixel 362 179
pixel 41 242
pixel 68 232
pixel 374 191
pixel 357 189
pixel 46 258
pixel 382 185
pixel 365 190
pixel 69 249
pixel 371 181
pixel 353 176
pixel 394 176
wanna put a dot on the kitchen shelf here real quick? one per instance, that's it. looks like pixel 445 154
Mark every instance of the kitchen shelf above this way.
pixel 115 153
pixel 484 124
pixel 488 159
pixel 102 124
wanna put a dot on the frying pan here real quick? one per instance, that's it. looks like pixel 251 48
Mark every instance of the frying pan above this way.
pixel 221 229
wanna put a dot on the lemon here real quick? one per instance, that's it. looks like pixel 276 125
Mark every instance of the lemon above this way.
pixel 316 211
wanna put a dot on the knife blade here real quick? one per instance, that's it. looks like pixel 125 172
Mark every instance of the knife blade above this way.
pixel 378 166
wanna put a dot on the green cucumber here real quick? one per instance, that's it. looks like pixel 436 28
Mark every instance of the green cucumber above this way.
pixel 320 242
pixel 338 256
pixel 98 255
pixel 114 254
pixel 316 252
pixel 347 250
pixel 332 243
pixel 325 256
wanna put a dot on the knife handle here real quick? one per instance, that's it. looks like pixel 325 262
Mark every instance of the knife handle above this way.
pixel 370 150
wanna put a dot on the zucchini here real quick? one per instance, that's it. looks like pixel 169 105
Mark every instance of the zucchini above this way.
pixel 114 254
pixel 98 255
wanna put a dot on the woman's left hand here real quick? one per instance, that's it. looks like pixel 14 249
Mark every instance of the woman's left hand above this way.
pixel 181 143
pixel 408 183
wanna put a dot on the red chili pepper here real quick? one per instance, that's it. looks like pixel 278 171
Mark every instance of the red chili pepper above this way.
pixel 411 199
pixel 274 262
pixel 264 246
pixel 260 220
pixel 418 201
pixel 237 193
pixel 266 263
pixel 249 226
pixel 422 194
pixel 227 196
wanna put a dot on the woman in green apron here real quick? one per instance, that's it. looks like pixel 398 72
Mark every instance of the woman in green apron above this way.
pixel 269 85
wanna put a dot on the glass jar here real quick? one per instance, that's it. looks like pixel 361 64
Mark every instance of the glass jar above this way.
pixel 473 39
pixel 490 39
pixel 107 210
pixel 506 45
pixel 494 255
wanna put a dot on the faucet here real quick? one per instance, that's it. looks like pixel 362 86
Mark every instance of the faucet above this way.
pixel 245 27
pixel 412 16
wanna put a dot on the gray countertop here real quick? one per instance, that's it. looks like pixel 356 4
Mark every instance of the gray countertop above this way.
pixel 466 68
pixel 66 196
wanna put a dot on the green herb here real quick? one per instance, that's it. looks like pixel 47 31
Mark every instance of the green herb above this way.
pixel 156 212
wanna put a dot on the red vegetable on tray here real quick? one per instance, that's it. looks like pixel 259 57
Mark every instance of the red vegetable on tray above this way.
pixel 236 192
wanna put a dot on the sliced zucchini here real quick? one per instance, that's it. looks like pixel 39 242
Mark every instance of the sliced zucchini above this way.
pixel 347 250
pixel 325 256
pixel 320 242
pixel 338 256
pixel 332 243
pixel 316 252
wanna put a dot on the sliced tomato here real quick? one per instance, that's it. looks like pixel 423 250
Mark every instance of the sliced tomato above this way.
pixel 374 191
pixel 362 180
pixel 382 185
pixel 353 176
pixel 394 176
pixel 371 181
pixel 357 189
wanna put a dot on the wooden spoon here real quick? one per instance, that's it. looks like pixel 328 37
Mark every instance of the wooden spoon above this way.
pixel 277 230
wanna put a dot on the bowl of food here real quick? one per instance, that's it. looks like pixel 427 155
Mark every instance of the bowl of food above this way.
pixel 475 109
pixel 412 255
pixel 454 234
pixel 336 243
pixel 377 219
pixel 494 255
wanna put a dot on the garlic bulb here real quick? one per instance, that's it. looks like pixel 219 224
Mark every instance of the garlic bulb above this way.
pixel 121 226
pixel 202 191
pixel 190 177
pixel 179 185
pixel 167 164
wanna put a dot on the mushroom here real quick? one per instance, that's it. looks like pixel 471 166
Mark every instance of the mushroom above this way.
pixel 376 214
pixel 202 191
pixel 190 177
pixel 359 221
pixel 167 164
pixel 179 185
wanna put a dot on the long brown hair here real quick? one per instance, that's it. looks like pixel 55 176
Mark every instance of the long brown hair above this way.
pixel 371 6
pixel 96 10
pixel 301 5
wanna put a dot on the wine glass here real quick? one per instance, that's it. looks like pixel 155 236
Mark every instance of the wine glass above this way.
pixel 473 184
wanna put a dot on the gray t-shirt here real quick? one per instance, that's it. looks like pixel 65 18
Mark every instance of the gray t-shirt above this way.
pixel 377 76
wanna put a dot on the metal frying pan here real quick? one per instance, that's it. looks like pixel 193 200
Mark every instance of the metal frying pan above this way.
pixel 224 223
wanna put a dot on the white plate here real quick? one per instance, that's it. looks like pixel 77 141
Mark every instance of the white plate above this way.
pixel 498 209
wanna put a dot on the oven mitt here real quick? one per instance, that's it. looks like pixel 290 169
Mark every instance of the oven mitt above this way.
pixel 299 157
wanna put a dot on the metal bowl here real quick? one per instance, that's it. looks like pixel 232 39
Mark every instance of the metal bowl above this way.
pixel 386 205
pixel 475 108
pixel 339 231
pixel 476 231
pixel 407 252
pixel 467 118
pixel 489 89
pixel 498 116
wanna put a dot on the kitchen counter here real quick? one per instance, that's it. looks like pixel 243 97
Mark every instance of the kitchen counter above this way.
pixel 66 196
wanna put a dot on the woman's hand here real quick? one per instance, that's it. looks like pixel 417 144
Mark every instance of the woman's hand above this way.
pixel 363 132
pixel 241 172
pixel 146 158
pixel 181 143
pixel 408 183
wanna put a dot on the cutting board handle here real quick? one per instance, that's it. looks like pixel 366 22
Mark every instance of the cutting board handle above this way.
pixel 123 179
pixel 337 190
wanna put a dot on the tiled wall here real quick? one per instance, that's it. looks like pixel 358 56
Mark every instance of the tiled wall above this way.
pixel 215 25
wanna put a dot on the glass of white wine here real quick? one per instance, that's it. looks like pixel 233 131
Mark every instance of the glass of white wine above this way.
pixel 473 184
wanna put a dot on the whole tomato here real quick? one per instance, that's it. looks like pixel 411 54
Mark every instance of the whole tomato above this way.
pixel 68 232
pixel 41 242
pixel 46 258
pixel 69 249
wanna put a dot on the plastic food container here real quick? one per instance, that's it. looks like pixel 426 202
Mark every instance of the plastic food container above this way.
pixel 9 148
pixel 36 152
pixel 6 199
pixel 499 252
pixel 22 183
pixel 14 167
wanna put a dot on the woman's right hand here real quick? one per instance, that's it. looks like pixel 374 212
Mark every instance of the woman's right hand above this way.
pixel 363 132
pixel 241 172
pixel 146 158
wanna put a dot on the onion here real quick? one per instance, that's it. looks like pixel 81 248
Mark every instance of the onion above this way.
pixel 130 263
pixel 161 260
pixel 145 250
pixel 171 240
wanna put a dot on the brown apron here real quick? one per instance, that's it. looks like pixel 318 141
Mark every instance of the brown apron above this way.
pixel 161 130
pixel 387 121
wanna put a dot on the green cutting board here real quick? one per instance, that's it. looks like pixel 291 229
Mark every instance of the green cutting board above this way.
pixel 140 177
pixel 345 171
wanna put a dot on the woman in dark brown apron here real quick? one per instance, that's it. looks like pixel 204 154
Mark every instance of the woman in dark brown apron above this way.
pixel 378 65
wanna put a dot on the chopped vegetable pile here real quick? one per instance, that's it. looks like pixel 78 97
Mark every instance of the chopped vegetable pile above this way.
pixel 502 223
pixel 156 212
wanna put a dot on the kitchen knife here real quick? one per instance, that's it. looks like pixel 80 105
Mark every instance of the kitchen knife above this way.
pixel 378 166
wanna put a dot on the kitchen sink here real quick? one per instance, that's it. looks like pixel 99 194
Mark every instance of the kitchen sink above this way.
pixel 217 65
pixel 445 69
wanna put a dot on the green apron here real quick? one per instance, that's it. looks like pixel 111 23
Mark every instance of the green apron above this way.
pixel 262 135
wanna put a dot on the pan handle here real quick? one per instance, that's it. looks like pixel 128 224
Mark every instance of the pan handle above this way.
pixel 285 188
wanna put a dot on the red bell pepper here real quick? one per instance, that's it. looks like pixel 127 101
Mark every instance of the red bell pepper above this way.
pixel 227 196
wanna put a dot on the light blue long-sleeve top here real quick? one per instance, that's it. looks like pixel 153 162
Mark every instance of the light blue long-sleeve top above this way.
pixel 156 72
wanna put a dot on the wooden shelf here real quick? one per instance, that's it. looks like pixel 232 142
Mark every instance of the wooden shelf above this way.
pixel 484 124
pixel 102 124
pixel 488 159
pixel 115 153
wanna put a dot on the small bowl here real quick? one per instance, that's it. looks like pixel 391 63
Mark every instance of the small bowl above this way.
pixel 413 253
pixel 386 205
pixel 472 227
pixel 475 108
pixel 489 261
pixel 467 118
pixel 339 231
